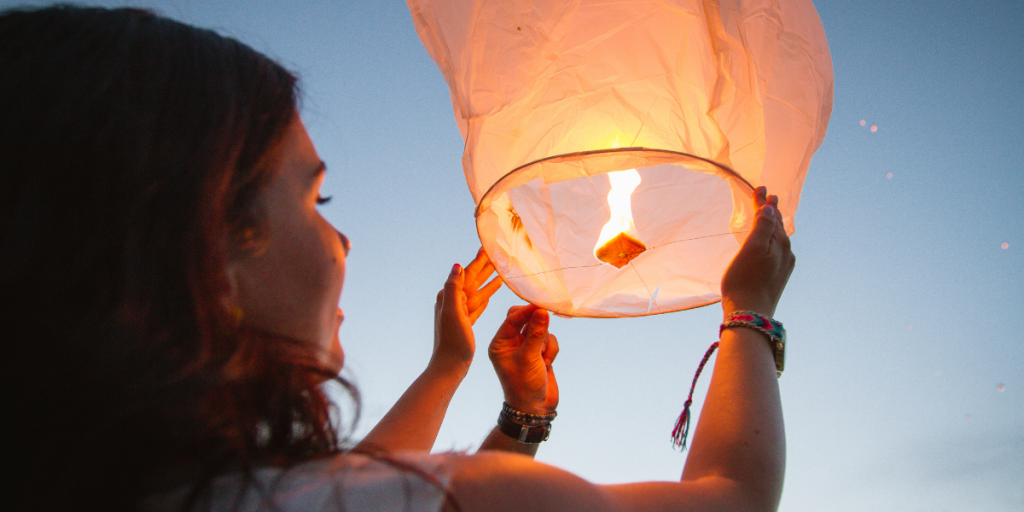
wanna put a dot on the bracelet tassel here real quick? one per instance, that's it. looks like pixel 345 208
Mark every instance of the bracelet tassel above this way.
pixel 682 429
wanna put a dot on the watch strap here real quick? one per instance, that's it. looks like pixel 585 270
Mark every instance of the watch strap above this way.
pixel 526 434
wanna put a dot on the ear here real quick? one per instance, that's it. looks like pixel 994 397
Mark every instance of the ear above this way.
pixel 233 273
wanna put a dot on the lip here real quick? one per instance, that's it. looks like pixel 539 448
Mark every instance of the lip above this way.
pixel 341 316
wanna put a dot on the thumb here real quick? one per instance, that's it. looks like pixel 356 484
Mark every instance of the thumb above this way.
pixel 764 226
pixel 536 333
pixel 452 287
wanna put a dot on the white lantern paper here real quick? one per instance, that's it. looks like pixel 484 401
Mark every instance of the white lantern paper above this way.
pixel 704 99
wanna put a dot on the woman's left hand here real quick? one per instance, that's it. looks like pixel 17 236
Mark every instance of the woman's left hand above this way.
pixel 461 302
pixel 522 353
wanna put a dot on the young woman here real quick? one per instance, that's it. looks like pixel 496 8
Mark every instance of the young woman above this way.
pixel 172 306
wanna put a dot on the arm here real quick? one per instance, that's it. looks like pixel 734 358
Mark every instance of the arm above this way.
pixel 740 435
pixel 497 441
pixel 413 422
pixel 737 457
pixel 522 353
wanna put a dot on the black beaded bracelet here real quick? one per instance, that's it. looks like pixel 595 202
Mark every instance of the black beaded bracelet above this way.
pixel 523 417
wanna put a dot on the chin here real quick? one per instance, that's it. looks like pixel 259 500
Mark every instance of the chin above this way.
pixel 334 359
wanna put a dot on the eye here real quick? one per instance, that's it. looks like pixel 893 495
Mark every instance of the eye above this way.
pixel 323 200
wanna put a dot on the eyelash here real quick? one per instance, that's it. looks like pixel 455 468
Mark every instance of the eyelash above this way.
pixel 323 200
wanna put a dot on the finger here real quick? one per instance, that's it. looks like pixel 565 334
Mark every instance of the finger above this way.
pixel 474 283
pixel 550 350
pixel 452 298
pixel 476 311
pixel 781 237
pixel 477 264
pixel 482 275
pixel 477 299
pixel 763 229
pixel 489 288
pixel 515 320
pixel 552 398
pixel 759 196
pixel 537 333
pixel 774 201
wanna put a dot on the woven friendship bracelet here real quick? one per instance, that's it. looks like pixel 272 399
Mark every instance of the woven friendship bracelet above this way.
pixel 753 320
pixel 767 325
pixel 749 319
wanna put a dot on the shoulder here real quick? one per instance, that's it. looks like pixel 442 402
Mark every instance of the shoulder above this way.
pixel 505 482
pixel 413 482
pixel 498 481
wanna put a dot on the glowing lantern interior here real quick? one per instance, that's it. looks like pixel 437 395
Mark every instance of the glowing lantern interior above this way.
pixel 612 146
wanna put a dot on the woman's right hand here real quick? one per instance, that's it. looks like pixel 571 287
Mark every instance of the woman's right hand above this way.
pixel 522 352
pixel 757 275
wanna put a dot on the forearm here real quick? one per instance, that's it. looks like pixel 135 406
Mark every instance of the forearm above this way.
pixel 497 441
pixel 740 435
pixel 413 422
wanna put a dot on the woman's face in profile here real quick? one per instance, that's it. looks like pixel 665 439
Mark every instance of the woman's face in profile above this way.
pixel 292 285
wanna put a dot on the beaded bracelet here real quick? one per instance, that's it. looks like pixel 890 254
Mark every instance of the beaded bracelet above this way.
pixel 524 427
pixel 525 417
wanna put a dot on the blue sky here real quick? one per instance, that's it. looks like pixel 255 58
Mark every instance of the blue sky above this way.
pixel 904 387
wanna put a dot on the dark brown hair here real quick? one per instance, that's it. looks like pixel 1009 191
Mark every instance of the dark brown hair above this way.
pixel 132 150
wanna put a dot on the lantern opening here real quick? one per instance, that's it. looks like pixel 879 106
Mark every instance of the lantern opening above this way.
pixel 616 245
pixel 540 225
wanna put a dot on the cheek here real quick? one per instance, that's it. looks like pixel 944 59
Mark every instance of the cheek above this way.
pixel 334 270
pixel 331 276
pixel 293 287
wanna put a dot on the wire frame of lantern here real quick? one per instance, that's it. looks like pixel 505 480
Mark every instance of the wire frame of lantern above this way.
pixel 612 146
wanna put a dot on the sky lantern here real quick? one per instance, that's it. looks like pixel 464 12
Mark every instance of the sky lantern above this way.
pixel 611 147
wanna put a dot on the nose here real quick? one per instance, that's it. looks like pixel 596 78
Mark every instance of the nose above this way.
pixel 345 243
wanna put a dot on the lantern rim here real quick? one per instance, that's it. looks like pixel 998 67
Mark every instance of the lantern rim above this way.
pixel 723 171
pixel 728 170
pixel 616 315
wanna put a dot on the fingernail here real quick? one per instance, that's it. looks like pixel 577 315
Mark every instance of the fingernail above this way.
pixel 767 210
pixel 456 269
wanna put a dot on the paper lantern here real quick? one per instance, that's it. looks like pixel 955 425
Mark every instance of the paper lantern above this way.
pixel 612 146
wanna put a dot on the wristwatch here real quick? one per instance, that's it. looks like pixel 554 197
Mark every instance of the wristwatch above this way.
pixel 525 434
pixel 766 324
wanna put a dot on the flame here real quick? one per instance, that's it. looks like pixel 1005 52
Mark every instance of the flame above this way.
pixel 617 245
pixel 623 184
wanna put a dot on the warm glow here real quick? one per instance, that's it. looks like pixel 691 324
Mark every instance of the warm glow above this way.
pixel 617 243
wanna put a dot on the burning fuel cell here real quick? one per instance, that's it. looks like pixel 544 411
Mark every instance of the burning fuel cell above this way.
pixel 620 250
pixel 616 245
